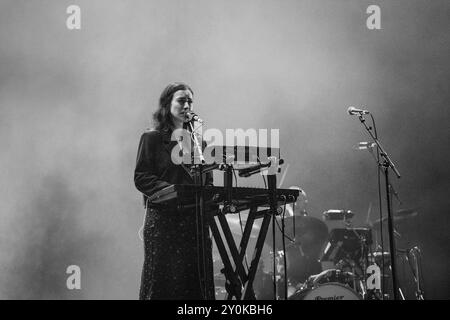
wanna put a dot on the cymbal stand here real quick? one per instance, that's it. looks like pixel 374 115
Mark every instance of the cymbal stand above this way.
pixel 386 164
pixel 364 256
pixel 416 271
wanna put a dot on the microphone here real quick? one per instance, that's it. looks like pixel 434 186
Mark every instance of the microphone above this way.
pixel 247 172
pixel 365 145
pixel 353 111
pixel 193 117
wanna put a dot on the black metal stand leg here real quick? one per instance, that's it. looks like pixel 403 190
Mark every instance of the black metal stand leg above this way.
pixel 232 247
pixel 248 289
pixel 242 251
pixel 391 235
pixel 235 286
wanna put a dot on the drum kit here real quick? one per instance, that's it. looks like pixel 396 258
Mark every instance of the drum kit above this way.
pixel 345 263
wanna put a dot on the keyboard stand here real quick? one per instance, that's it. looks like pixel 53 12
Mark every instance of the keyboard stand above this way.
pixel 233 283
pixel 237 278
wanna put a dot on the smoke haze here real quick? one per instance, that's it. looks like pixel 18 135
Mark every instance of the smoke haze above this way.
pixel 74 103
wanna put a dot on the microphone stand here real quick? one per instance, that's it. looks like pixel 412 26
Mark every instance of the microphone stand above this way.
pixel 273 204
pixel 394 192
pixel 387 163
pixel 200 209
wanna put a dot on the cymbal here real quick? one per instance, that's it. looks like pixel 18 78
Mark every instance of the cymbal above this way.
pixel 399 215
pixel 309 231
pixel 406 213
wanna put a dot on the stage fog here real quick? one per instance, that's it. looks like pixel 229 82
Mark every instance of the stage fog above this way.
pixel 73 104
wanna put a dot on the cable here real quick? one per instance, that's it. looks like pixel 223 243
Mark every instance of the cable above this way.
pixel 141 229
pixel 293 218
pixel 200 255
pixel 285 236
pixel 284 251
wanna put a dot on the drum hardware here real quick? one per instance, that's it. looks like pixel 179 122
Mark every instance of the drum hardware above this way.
pixel 365 245
pixel 349 250
pixel 309 231
pixel 328 291
pixel 379 258
pixel 348 279
pixel 332 284
pixel 348 244
pixel 362 288
pixel 331 275
pixel 332 215
pixel 302 250
pixel 262 285
pixel 382 260
pixel 299 268
pixel 413 258
pixel 400 217
pixel 416 255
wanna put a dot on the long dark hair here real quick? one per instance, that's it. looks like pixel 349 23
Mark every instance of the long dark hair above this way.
pixel 162 118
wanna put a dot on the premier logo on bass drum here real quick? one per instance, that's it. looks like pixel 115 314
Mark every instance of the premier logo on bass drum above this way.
pixel 330 298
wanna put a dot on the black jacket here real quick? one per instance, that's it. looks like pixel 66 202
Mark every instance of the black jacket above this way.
pixel 154 166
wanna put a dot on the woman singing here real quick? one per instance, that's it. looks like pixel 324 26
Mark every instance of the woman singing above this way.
pixel 177 246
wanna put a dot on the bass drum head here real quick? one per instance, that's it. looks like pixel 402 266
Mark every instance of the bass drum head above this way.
pixel 327 291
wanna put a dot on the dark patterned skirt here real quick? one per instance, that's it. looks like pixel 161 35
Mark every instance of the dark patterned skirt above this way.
pixel 177 254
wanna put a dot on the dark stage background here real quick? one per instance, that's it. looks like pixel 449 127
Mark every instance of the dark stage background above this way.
pixel 73 104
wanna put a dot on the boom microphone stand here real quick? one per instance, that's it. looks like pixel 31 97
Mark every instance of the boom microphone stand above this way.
pixel 200 209
pixel 386 164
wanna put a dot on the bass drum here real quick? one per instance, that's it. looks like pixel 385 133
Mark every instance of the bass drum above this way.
pixel 327 291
